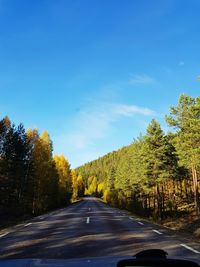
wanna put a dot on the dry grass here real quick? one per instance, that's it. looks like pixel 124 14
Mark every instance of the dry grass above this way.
pixel 197 232
pixel 189 223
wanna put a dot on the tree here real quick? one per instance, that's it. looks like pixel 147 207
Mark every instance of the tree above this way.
pixel 92 186
pixel 15 156
pixel 185 118
pixel 65 179
pixel 5 126
pixel 31 181
pixel 43 172
pixel 161 163
pixel 77 185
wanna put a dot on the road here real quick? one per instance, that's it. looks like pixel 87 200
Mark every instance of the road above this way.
pixel 90 228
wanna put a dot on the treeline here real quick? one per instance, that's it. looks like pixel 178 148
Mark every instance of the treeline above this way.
pixel 158 174
pixel 32 180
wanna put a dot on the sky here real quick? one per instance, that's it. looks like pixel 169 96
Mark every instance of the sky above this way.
pixel 94 73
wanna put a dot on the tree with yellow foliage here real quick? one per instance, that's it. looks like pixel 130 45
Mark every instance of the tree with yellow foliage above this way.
pixel 92 186
pixel 65 179
pixel 44 173
pixel 77 185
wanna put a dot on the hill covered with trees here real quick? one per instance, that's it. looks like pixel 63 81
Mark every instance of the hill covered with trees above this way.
pixel 158 174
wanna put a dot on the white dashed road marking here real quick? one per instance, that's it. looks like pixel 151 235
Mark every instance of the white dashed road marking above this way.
pixel 27 224
pixel 88 220
pixel 2 235
pixel 157 232
pixel 140 223
pixel 191 249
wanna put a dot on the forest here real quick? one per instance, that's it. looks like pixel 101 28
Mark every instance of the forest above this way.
pixel 158 174
pixel 32 179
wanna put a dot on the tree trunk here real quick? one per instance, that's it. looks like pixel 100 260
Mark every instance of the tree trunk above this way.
pixel 195 188
pixel 163 200
pixel 159 202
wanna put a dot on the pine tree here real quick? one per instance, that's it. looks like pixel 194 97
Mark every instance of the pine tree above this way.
pixel 185 118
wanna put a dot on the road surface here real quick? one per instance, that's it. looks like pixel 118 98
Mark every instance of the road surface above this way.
pixel 90 228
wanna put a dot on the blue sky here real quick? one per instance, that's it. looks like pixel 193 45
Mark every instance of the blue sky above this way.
pixel 93 73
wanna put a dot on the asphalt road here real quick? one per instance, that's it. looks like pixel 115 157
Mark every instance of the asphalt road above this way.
pixel 91 228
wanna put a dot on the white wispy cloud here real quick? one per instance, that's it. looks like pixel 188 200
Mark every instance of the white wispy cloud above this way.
pixel 130 110
pixel 93 124
pixel 141 79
